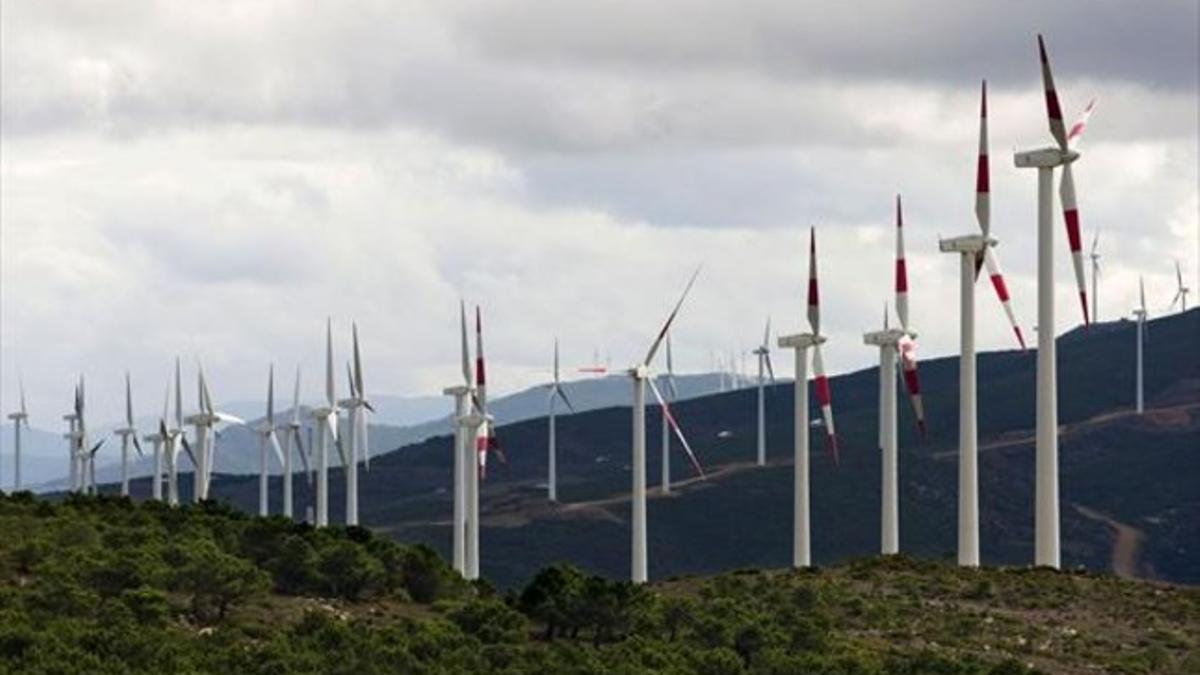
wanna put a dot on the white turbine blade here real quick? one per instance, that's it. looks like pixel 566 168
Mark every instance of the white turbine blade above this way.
pixel 901 270
pixel 662 334
pixel 128 402
pixel 296 400
pixel 178 394
pixel 766 343
pixel 271 395
pixel 299 437
pixel 363 426
pixel 24 410
pixel 358 371
pixel 466 348
pixel 814 296
pixel 666 410
pixel 983 204
pixel 1142 292
pixel 1178 275
pixel 556 360
pixel 770 370
pixel 228 419
pixel 563 395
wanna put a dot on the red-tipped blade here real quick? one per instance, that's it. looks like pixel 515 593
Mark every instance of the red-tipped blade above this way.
pixel 825 400
pixel 908 364
pixel 993 265
pixel 983 207
pixel 1080 125
pixel 1053 109
pixel 666 411
pixel 1071 217
pixel 814 296
pixel 901 270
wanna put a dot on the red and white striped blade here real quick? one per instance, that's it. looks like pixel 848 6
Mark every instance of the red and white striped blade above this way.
pixel 1066 192
pixel 825 400
pixel 983 203
pixel 666 412
pixel 901 270
pixel 908 366
pixel 662 334
pixel 480 369
pixel 997 276
pixel 814 295
pixel 1053 109
pixel 1076 132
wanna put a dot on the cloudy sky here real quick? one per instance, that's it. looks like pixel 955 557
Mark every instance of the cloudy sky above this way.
pixel 212 179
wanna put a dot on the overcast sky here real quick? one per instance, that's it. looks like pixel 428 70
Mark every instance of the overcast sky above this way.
pixel 212 179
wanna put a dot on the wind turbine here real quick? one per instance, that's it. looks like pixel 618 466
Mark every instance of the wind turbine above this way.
pixel 972 250
pixel 174 439
pixel 640 374
pixel 357 405
pixel 763 352
pixel 74 439
pixel 1045 160
pixel 1140 313
pixel 1181 294
pixel 127 433
pixel 266 437
pixel 19 418
pixel 327 431
pixel 672 395
pixel 893 341
pixel 461 462
pixel 204 422
pixel 556 392
pixel 801 342
pixel 156 441
pixel 293 434
pixel 1094 256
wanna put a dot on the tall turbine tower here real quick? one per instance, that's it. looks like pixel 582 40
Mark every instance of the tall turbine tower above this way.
pixel 1045 160
pixel 461 463
pixel 801 342
pixel 20 418
pixel 156 441
pixel 1182 292
pixel 1140 313
pixel 205 421
pixel 327 431
pixel 72 438
pixel 640 374
pixel 893 342
pixel 357 406
pixel 175 440
pixel 973 249
pixel 556 392
pixel 763 352
pixel 1094 256
pixel 127 433
pixel 267 438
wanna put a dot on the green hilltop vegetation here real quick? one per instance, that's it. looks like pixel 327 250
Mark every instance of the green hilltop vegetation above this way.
pixel 107 585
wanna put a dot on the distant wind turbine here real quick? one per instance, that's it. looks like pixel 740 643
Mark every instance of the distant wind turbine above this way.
pixel 1094 256
pixel 1182 292
pixel 293 435
pixel 672 395
pixel 267 439
pixel 763 352
pixel 20 418
pixel 1140 313
pixel 461 462
pixel 327 431
pixel 127 433
pixel 204 421
pixel 556 392
pixel 357 407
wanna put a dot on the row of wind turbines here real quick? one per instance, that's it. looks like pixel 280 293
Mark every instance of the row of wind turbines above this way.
pixel 474 428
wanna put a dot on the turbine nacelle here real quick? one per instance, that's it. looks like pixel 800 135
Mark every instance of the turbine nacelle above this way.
pixel 1044 158
pixel 971 243
pixel 888 337
pixel 800 341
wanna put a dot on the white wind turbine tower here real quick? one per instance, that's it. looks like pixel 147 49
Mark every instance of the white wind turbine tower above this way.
pixel 640 374
pixel 74 441
pixel 1094 256
pixel 127 433
pixel 1140 313
pixel 267 437
pixel 1045 160
pixel 672 395
pixel 205 421
pixel 556 392
pixel 357 406
pixel 893 341
pixel 156 441
pixel 327 431
pixel 1182 293
pixel 801 342
pixel 174 439
pixel 19 418
pixel 461 463
pixel 293 435
pixel 974 250
pixel 763 352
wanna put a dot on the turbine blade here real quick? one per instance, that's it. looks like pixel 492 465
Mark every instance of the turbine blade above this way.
pixel 825 401
pixel 178 394
pixel 908 361
pixel 137 445
pixel 1053 109
pixel 1178 275
pixel 296 399
pixel 901 270
pixel 128 402
pixel 271 395
pixel 670 359
pixel 299 437
pixel 983 199
pixel 330 393
pixel 997 277
pixel 766 343
pixel 770 369
pixel 1076 132
pixel 358 372
pixel 814 296
pixel 275 446
pixel 350 381
pixel 96 447
pixel 1142 292
pixel 666 411
pixel 555 360
pixel 563 395
pixel 466 350
pixel 1071 216
pixel 187 447
pixel 480 364
pixel 662 334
